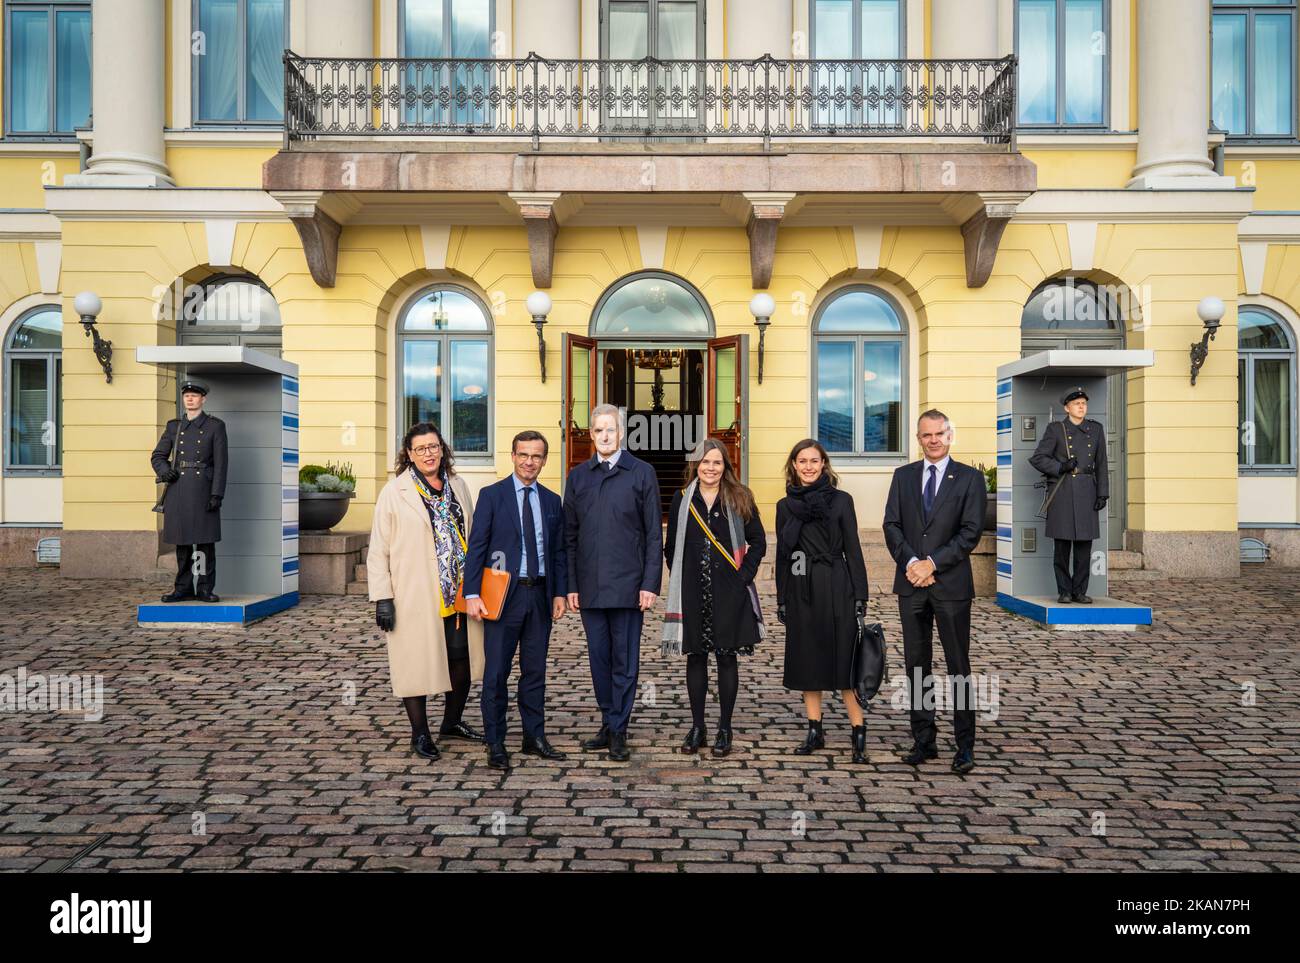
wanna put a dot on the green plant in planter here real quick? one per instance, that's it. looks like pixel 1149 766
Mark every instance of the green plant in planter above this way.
pixel 990 478
pixel 327 478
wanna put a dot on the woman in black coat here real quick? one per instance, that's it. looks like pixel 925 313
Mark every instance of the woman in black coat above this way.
pixel 821 589
pixel 713 549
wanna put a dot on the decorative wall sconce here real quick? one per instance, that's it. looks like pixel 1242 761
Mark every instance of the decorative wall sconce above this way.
pixel 539 306
pixel 1210 310
pixel 762 307
pixel 87 305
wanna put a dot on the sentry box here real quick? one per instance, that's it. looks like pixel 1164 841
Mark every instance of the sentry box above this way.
pixel 1029 392
pixel 256 395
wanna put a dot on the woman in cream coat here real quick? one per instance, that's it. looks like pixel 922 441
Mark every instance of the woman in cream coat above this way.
pixel 414 569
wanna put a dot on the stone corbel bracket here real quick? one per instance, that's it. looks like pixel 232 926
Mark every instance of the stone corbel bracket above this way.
pixel 766 209
pixel 319 218
pixel 537 208
pixel 984 217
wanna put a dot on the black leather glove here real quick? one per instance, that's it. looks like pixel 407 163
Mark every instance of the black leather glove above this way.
pixel 386 615
pixel 1100 503
pixel 859 608
pixel 780 614
pixel 170 476
pixel 214 503
pixel 1070 465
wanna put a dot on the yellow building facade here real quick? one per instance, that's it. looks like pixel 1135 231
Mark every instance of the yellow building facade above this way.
pixel 355 231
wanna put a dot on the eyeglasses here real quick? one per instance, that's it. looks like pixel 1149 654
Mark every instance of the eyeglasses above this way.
pixel 424 451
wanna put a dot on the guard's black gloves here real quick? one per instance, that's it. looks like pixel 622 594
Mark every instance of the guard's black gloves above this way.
pixel 214 503
pixel 386 615
pixel 1070 465
pixel 780 614
pixel 171 476
pixel 1100 503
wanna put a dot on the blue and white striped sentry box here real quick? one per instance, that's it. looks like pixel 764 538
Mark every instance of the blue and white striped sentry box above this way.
pixel 1028 398
pixel 256 395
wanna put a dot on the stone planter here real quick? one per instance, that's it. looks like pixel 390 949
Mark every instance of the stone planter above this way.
pixel 990 512
pixel 321 511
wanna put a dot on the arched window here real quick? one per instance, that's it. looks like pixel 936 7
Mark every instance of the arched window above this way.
pixel 1266 390
pixel 860 366
pixel 445 356
pixel 33 392
pixel 1071 304
pixel 649 305
pixel 230 310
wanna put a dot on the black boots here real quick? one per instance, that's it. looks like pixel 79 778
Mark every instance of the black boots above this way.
pixel 860 743
pixel 722 745
pixel 693 741
pixel 816 739
pixel 423 746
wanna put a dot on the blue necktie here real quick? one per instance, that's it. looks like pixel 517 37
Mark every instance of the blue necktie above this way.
pixel 930 486
pixel 530 533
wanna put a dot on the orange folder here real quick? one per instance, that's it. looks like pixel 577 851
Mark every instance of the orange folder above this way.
pixel 493 593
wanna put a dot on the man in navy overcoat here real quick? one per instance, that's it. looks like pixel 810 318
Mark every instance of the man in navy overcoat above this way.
pixel 613 523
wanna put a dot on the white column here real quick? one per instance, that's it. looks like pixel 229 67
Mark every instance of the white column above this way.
pixel 339 28
pixel 757 27
pixel 127 103
pixel 964 29
pixel 548 28
pixel 1173 97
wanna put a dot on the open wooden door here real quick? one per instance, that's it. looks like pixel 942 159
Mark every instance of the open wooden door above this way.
pixel 579 358
pixel 728 398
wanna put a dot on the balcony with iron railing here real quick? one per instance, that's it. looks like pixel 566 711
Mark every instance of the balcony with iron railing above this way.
pixel 535 98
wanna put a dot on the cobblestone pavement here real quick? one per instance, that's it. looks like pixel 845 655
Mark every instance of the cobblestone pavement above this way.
pixel 282 745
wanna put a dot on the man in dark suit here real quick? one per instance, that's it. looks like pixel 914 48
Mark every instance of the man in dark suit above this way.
pixel 519 527
pixel 933 520
pixel 615 542
pixel 191 458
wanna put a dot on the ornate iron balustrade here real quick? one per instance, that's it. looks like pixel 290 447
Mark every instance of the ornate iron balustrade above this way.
pixel 534 97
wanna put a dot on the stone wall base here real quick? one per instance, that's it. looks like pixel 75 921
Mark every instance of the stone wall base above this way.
pixel 18 545
pixel 1188 554
pixel 1283 544
pixel 327 562
pixel 110 555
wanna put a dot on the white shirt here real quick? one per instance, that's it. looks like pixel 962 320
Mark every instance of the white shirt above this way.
pixel 612 460
pixel 940 469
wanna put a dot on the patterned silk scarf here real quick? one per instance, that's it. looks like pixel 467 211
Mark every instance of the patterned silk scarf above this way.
pixel 448 520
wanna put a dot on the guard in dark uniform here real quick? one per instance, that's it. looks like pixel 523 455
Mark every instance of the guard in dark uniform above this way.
pixel 196 485
pixel 1074 451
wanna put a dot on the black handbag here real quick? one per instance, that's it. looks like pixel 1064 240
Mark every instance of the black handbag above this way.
pixel 868 661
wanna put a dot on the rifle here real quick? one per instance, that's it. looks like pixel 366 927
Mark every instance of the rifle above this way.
pixel 158 506
pixel 1051 495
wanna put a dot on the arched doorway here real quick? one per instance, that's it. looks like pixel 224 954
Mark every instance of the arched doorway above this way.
pixel 230 310
pixel 651 352
pixel 1072 313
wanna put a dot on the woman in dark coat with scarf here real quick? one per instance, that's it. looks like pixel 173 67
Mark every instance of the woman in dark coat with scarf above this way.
pixel 821 589
pixel 714 545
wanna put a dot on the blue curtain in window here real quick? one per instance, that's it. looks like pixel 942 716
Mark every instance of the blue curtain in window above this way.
pixel 1085 60
pixel 1274 73
pixel 72 56
pixel 218 64
pixel 1037 49
pixel 1228 73
pixel 29 72
pixel 264 81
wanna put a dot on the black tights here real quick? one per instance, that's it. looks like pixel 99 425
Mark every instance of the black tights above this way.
pixel 452 708
pixel 697 684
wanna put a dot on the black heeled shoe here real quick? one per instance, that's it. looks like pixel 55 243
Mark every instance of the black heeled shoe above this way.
pixel 816 738
pixel 860 744
pixel 423 746
pixel 458 730
pixel 694 740
pixel 722 744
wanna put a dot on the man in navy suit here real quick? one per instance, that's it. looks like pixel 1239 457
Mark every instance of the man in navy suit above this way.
pixel 518 527
pixel 933 520
pixel 613 523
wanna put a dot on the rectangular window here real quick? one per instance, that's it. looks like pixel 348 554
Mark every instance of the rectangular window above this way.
pixel 1252 68
pixel 882 388
pixel 835 395
pixel 47 68
pixel 33 435
pixel 450 95
pixel 470 397
pixel 1063 61
pixel 1272 388
pixel 422 382
pixel 857 30
pixel 238 67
